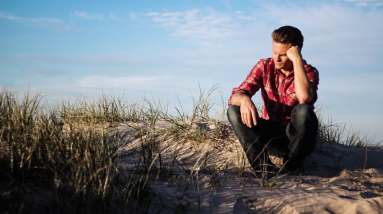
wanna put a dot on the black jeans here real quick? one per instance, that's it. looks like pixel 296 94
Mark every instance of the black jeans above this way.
pixel 294 142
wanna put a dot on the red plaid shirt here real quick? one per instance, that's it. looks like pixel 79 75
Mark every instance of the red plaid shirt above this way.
pixel 278 91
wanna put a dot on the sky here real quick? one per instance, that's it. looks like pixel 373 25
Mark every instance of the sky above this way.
pixel 168 49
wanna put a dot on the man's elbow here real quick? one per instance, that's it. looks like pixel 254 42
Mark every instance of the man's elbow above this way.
pixel 305 98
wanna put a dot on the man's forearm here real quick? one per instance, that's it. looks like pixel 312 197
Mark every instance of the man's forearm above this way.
pixel 238 97
pixel 303 88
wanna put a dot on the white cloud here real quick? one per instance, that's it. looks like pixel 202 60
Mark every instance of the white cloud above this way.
pixel 227 4
pixel 50 23
pixel 152 14
pixel 44 72
pixel 336 34
pixel 367 3
pixel 353 85
pixel 198 24
pixel 114 17
pixel 333 33
pixel 132 15
pixel 96 16
pixel 166 60
pixel 86 15
pixel 37 21
pixel 137 82
pixel 138 85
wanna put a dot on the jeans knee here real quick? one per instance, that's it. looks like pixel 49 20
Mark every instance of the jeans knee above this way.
pixel 233 113
pixel 304 113
pixel 302 110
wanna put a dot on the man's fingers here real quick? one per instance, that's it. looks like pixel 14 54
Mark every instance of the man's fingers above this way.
pixel 249 120
pixel 244 117
pixel 248 117
pixel 254 116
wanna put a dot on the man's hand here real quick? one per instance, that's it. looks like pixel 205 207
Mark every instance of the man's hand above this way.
pixel 303 89
pixel 248 113
pixel 247 107
pixel 294 53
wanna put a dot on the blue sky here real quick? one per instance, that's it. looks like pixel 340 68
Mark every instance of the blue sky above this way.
pixel 165 48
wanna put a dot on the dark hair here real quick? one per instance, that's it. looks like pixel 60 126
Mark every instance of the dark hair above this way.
pixel 288 35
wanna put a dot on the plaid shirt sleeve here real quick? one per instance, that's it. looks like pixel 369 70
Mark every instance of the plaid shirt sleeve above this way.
pixel 252 83
pixel 313 76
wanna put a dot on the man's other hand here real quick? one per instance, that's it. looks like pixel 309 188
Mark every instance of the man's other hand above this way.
pixel 247 107
pixel 248 112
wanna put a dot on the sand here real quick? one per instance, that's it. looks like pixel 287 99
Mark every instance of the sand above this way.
pixel 334 179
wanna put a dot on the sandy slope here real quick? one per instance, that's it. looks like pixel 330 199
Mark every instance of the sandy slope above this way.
pixel 334 179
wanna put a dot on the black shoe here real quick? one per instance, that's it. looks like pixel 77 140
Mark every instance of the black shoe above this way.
pixel 292 164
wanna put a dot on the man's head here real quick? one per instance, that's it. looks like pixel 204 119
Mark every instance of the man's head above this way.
pixel 288 35
pixel 283 38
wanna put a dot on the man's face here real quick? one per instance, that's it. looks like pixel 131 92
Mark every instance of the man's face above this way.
pixel 281 60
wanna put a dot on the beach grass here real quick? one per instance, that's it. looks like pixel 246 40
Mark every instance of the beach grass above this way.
pixel 66 158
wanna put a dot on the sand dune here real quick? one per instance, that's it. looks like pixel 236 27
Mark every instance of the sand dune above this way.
pixel 207 178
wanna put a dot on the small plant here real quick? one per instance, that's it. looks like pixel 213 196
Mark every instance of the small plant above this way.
pixel 214 181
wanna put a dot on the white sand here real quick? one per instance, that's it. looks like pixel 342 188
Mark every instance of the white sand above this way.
pixel 334 179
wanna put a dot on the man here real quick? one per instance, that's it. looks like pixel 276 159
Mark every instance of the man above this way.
pixel 288 125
